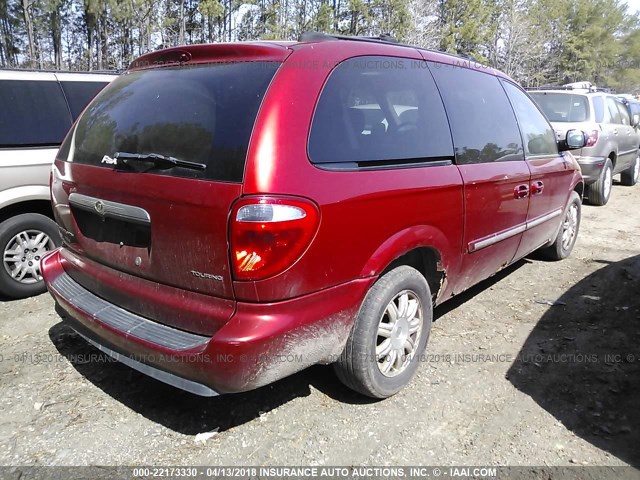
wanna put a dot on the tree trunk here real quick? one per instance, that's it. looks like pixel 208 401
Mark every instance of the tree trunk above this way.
pixel 181 20
pixel 28 25
pixel 56 38
pixel 104 40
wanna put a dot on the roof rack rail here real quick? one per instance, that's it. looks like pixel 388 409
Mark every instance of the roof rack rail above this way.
pixel 566 87
pixel 384 38
pixel 319 37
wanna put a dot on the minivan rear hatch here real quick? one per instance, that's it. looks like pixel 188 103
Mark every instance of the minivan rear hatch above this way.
pixel 155 162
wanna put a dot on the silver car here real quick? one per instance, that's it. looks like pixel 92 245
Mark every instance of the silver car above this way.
pixel 613 136
pixel 38 109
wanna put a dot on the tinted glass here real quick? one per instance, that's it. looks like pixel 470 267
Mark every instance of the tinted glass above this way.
pixel 598 107
pixel 634 110
pixel 563 107
pixel 32 113
pixel 624 113
pixel 79 94
pixel 537 134
pixel 203 114
pixel 482 121
pixel 379 109
pixel 614 113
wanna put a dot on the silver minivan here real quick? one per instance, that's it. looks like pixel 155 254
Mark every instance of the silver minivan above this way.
pixel 613 140
pixel 38 109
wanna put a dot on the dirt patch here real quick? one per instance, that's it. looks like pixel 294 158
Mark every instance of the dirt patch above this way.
pixel 539 365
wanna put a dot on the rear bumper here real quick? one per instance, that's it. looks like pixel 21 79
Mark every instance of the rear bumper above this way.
pixel 259 345
pixel 591 168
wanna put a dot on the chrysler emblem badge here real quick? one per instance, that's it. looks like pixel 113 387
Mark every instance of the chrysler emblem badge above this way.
pixel 99 207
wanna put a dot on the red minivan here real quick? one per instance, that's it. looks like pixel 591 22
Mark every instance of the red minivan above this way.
pixel 234 213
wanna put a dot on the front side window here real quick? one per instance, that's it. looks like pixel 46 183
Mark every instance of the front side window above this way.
pixel 379 109
pixel 199 114
pixel 563 107
pixel 538 136
pixel 482 121
pixel 34 113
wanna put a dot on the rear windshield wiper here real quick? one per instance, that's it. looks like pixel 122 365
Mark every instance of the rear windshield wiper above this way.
pixel 156 160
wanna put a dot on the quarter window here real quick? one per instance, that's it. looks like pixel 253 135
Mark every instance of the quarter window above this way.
pixel 482 121
pixel 379 109
pixel 538 136
pixel 79 94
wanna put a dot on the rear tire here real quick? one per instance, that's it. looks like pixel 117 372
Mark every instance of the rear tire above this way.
pixel 630 176
pixel 24 240
pixel 599 192
pixel 565 240
pixel 389 335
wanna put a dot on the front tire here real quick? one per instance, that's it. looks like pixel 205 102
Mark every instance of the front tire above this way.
pixel 599 192
pixel 24 240
pixel 389 335
pixel 565 240
pixel 630 176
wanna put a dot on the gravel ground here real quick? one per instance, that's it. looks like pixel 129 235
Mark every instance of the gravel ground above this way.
pixel 539 365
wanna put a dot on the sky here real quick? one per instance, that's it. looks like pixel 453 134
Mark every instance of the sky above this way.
pixel 634 6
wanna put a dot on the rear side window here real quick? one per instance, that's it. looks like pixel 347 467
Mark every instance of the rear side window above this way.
pixel 614 112
pixel 482 121
pixel 79 94
pixel 624 113
pixel 202 114
pixel 538 136
pixel 563 107
pixel 33 113
pixel 380 110
pixel 598 108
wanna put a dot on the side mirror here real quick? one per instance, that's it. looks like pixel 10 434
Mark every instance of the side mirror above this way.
pixel 574 139
pixel 636 119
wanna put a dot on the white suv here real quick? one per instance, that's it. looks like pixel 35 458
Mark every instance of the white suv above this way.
pixel 38 109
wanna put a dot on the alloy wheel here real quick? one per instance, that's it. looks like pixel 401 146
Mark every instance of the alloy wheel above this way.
pixel 569 226
pixel 399 332
pixel 22 254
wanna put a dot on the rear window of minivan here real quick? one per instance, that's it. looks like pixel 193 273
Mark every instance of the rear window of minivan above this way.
pixel 202 114
pixel 563 107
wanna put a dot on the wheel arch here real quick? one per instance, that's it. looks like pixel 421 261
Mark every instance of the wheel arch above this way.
pixel 421 247
pixel 43 207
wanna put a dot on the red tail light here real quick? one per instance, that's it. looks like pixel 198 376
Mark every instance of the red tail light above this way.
pixel 592 139
pixel 269 234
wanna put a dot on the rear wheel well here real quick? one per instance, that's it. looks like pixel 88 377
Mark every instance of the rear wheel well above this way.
pixel 427 261
pixel 43 207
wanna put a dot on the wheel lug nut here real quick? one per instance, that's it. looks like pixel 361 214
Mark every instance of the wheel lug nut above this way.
pixel 31 264
pixel 34 250
pixel 37 257
pixel 24 259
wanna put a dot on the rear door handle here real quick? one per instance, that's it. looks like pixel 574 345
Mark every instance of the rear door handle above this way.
pixel 521 191
pixel 537 188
